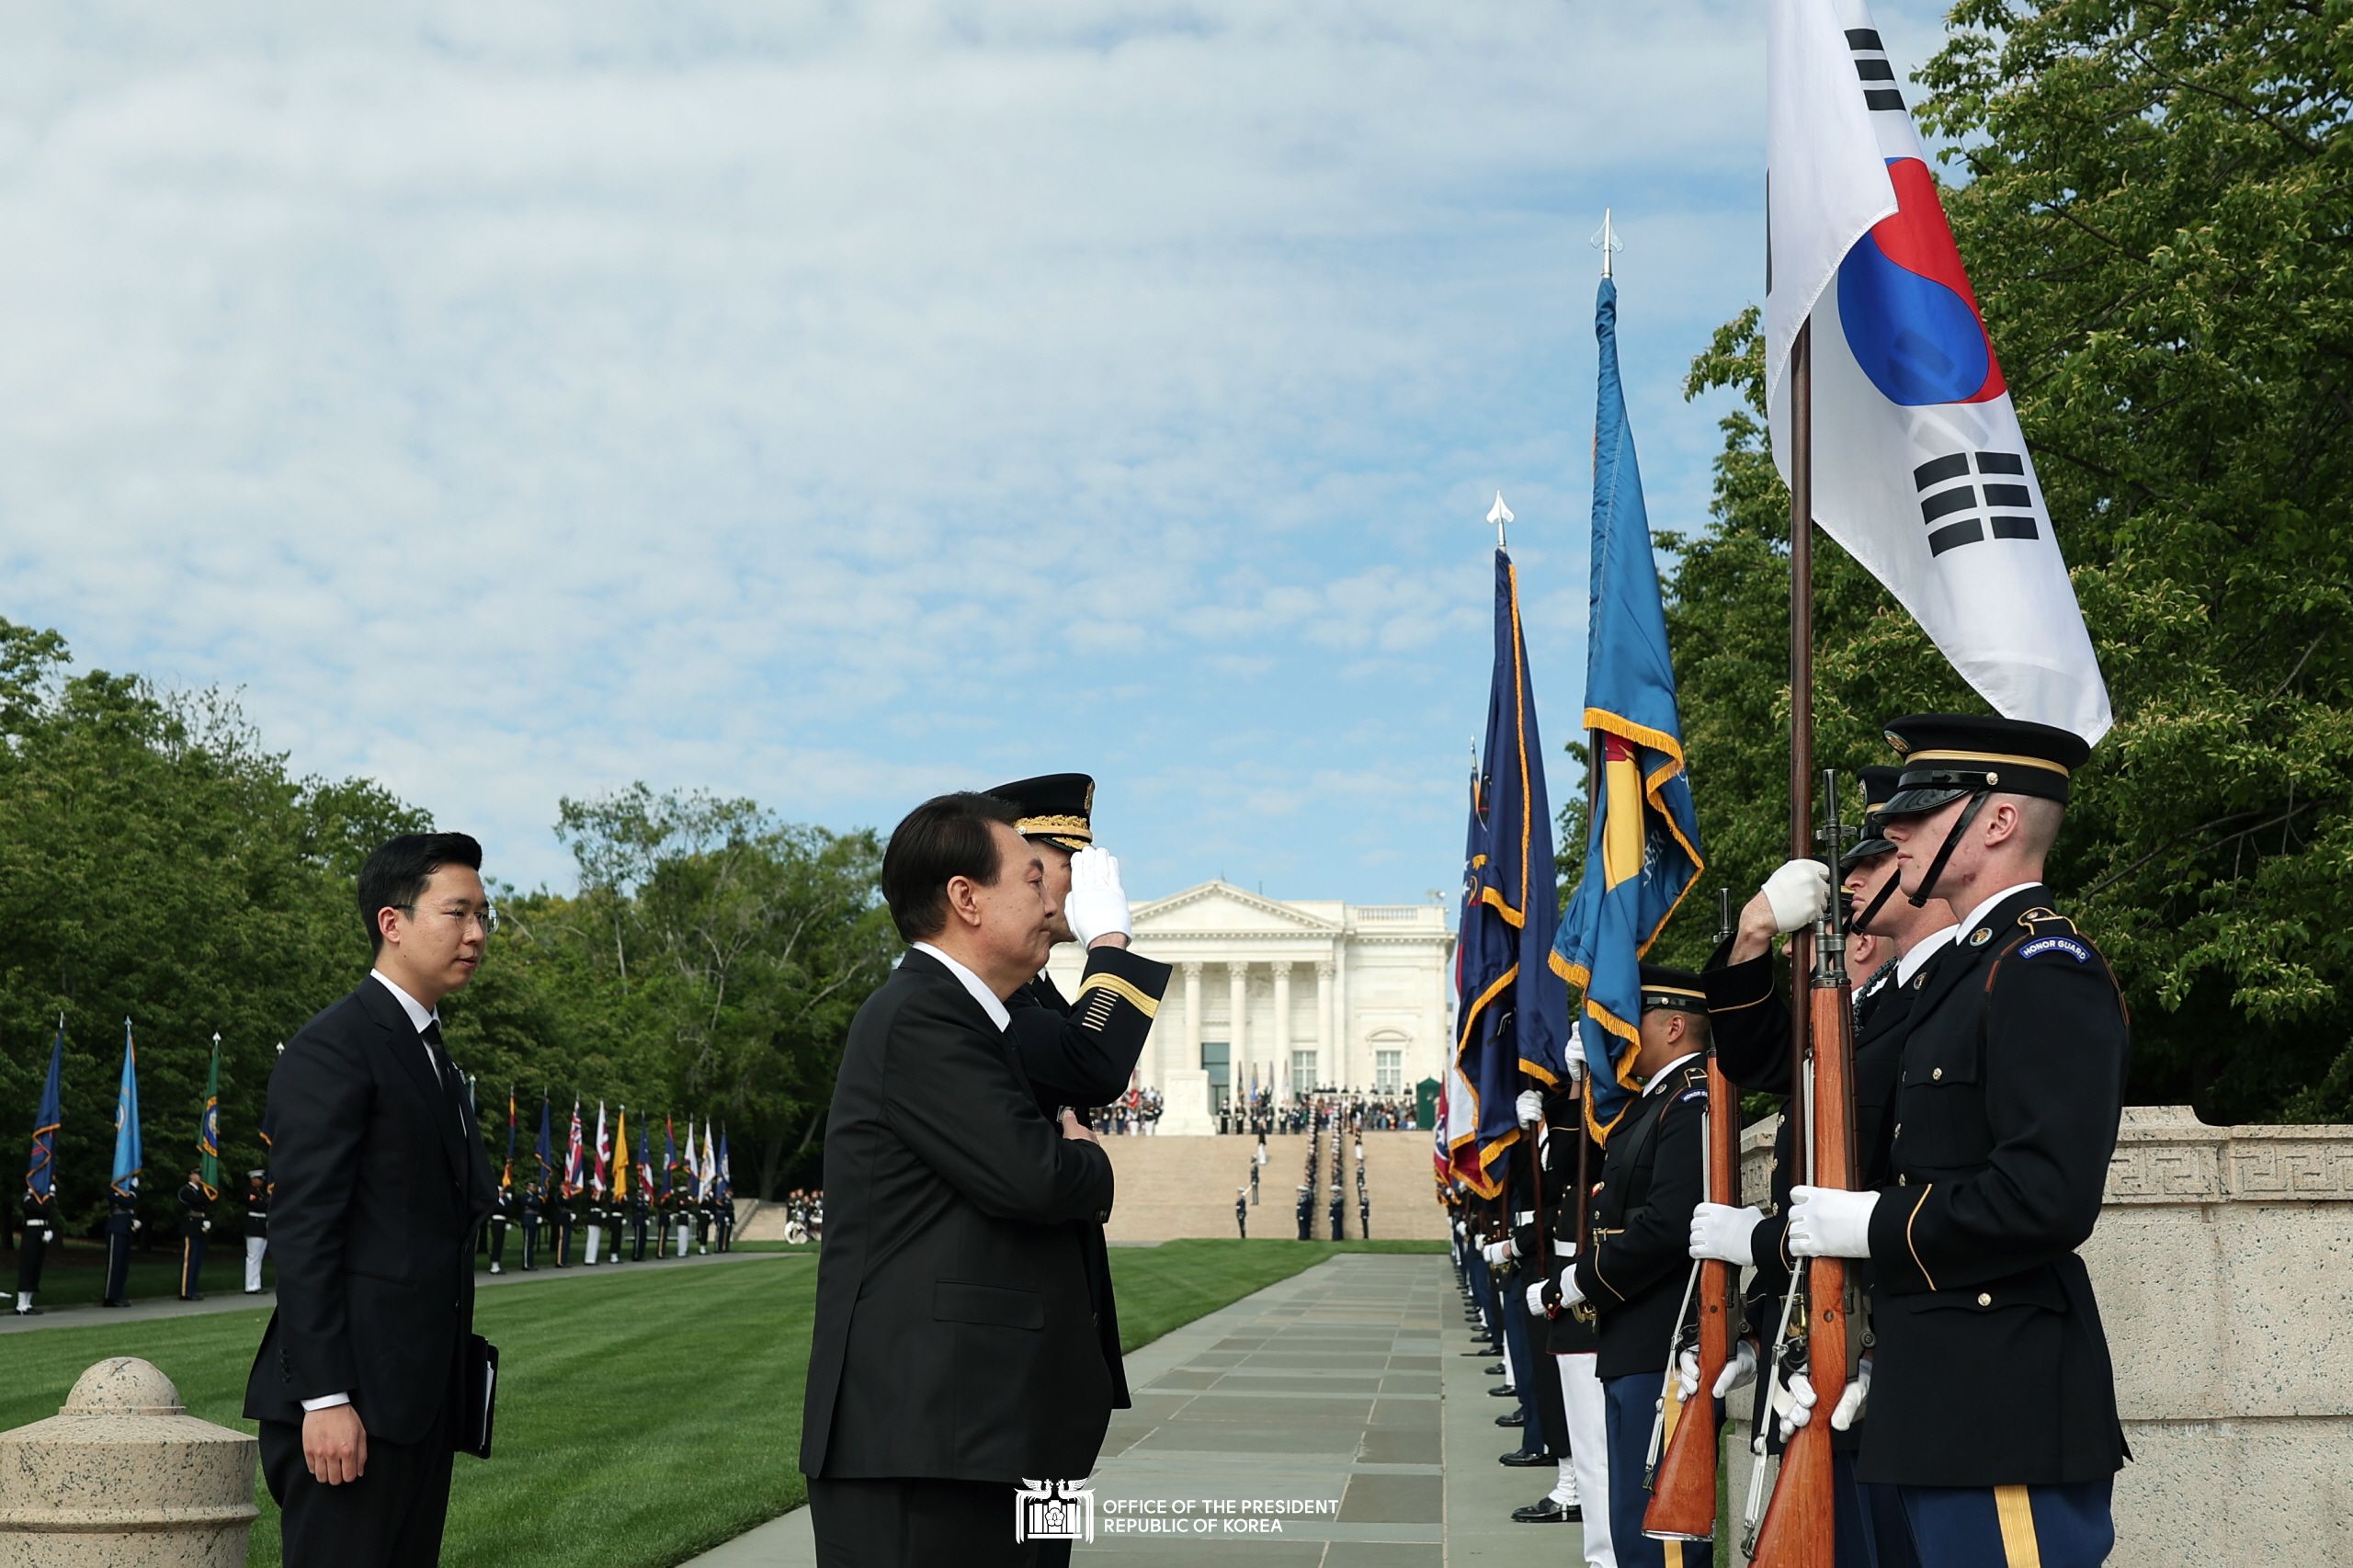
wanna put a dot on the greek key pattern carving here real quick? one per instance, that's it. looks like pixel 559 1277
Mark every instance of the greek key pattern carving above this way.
pixel 2292 1172
pixel 2165 1173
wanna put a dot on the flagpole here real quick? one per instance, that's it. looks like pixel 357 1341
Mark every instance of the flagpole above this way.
pixel 1800 704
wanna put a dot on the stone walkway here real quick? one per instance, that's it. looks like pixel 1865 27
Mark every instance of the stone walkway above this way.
pixel 1339 1391
pixel 236 1301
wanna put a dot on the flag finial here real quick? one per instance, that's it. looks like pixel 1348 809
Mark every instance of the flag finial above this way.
pixel 1606 240
pixel 1500 515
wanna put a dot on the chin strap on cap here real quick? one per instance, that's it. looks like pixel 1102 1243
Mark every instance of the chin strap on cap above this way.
pixel 1952 842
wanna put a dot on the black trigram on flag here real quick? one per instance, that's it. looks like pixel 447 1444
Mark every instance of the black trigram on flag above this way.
pixel 1872 66
pixel 1995 494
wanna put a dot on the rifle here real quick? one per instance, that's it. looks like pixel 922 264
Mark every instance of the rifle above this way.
pixel 1801 1522
pixel 1683 1489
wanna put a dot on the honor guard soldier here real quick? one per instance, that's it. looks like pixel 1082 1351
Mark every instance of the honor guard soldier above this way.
pixel 563 1207
pixel 592 1220
pixel 122 1224
pixel 641 1216
pixel 1083 1052
pixel 502 1216
pixel 702 1223
pixel 616 1218
pixel 1565 1339
pixel 534 1203
pixel 195 1223
pixel 682 1218
pixel 1890 942
pixel 256 1228
pixel 1635 1263
pixel 40 1227
pixel 1992 1397
pixel 1544 1429
pixel 1306 1212
pixel 1242 1213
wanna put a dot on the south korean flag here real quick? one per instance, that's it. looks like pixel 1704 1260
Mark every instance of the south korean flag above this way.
pixel 1919 466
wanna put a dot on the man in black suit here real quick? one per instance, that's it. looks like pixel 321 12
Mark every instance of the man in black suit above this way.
pixel 381 1186
pixel 954 1353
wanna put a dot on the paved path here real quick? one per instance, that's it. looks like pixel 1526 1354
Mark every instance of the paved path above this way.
pixel 233 1300
pixel 1339 1388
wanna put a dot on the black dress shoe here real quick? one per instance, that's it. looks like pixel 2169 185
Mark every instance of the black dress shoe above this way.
pixel 1494 1371
pixel 111 1304
pixel 1512 1418
pixel 197 1297
pixel 1520 1459
pixel 1506 1391
pixel 1481 1350
pixel 1545 1511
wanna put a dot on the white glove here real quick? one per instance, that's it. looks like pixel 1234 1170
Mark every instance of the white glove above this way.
pixel 1570 1292
pixel 1827 1222
pixel 1792 1403
pixel 1097 904
pixel 1722 1233
pixel 1801 1399
pixel 1530 1107
pixel 208 1227
pixel 1738 1372
pixel 1498 1253
pixel 1536 1299
pixel 1458 1227
pixel 1798 893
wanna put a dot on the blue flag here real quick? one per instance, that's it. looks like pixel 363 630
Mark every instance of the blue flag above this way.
pixel 129 1157
pixel 1514 1017
pixel 40 1171
pixel 1642 844
pixel 726 1177
pixel 669 1155
pixel 546 1150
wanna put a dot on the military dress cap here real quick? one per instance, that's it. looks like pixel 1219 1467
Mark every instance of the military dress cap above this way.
pixel 254 1175
pixel 1948 755
pixel 1055 807
pixel 1678 990
pixel 1879 788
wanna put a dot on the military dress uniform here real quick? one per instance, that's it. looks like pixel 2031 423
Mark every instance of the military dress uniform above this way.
pixel 616 1218
pixel 1636 1264
pixel 33 1247
pixel 593 1221
pixel 1577 1407
pixel 1306 1212
pixel 1242 1213
pixel 256 1229
pixel 122 1223
pixel 502 1216
pixel 1993 1404
pixel 534 1202
pixel 196 1223
pixel 564 1206
pixel 641 1213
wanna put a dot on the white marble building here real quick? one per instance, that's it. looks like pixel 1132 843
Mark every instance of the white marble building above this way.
pixel 1310 995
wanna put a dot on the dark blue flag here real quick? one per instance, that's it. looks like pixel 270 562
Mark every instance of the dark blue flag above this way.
pixel 40 1171
pixel 1642 844
pixel 545 1151
pixel 1515 1007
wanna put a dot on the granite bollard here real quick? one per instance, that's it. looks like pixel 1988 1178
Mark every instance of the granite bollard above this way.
pixel 124 1476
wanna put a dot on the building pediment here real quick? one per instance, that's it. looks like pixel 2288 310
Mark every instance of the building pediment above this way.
pixel 1220 908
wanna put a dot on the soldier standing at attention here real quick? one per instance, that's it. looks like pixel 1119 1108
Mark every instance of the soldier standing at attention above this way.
pixel 256 1229
pixel 534 1201
pixel 1242 1213
pixel 196 1223
pixel 1992 1398
pixel 1635 1262
pixel 501 1215
pixel 641 1210
pixel 122 1224
pixel 38 1227
pixel 1306 1212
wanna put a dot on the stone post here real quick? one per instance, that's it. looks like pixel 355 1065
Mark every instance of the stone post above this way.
pixel 124 1477
pixel 1282 1010
pixel 1192 1018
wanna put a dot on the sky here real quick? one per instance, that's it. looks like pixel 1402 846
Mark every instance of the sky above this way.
pixel 835 405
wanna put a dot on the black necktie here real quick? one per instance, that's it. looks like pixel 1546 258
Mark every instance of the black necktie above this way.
pixel 447 1068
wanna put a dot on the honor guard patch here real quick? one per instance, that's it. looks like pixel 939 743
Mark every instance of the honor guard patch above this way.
pixel 2067 945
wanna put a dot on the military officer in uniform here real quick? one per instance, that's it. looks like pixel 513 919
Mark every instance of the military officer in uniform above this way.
pixel 122 1224
pixel 1576 1428
pixel 1306 1212
pixel 563 1204
pixel 534 1202
pixel 1339 1211
pixel 1636 1263
pixel 502 1216
pixel 195 1223
pixel 38 1228
pixel 1992 1399
pixel 593 1225
pixel 256 1226
pixel 641 1223
pixel 616 1217
pixel 682 1217
pixel 1242 1213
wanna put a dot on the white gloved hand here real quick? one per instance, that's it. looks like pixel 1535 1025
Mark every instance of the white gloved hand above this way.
pixel 1740 1371
pixel 1097 904
pixel 1851 1402
pixel 1827 1222
pixel 1536 1300
pixel 1530 1107
pixel 1799 893
pixel 1498 1253
pixel 1722 1233
pixel 1571 1293
pixel 1792 1403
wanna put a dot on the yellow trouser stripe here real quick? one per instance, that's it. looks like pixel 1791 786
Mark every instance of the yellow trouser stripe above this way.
pixel 1140 1001
pixel 2016 1514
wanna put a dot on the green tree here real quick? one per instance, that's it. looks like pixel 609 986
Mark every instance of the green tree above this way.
pixel 2157 206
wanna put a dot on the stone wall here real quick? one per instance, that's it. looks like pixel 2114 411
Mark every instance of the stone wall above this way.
pixel 2223 1264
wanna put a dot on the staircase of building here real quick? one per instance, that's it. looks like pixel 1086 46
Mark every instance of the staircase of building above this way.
pixel 1169 1187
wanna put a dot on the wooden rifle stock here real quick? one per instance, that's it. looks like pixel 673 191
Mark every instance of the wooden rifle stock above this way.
pixel 1800 1529
pixel 1683 1493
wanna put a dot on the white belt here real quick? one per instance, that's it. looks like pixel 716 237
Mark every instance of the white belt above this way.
pixel 1565 1249
pixel 1523 1217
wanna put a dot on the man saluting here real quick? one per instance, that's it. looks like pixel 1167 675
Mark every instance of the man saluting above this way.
pixel 954 1353
pixel 381 1185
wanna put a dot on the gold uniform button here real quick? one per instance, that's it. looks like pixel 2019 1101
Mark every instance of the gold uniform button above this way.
pixel 1937 1072
pixel 1903 1181
pixel 1984 1299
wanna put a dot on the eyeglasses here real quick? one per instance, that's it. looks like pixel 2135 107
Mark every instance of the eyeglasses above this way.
pixel 487 915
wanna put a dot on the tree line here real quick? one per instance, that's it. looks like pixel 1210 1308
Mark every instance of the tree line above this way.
pixel 158 862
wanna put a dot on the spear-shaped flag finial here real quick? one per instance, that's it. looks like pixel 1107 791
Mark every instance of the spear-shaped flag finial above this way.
pixel 1605 240
pixel 1500 515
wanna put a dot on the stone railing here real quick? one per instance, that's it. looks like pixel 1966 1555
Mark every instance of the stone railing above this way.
pixel 2223 1266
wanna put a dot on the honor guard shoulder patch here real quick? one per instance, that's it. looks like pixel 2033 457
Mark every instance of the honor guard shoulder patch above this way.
pixel 2066 945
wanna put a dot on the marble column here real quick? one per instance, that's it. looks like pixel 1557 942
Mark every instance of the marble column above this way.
pixel 1323 1030
pixel 1192 1015
pixel 1343 1049
pixel 1282 1010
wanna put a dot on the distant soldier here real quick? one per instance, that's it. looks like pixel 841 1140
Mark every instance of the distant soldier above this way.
pixel 682 1220
pixel 122 1224
pixel 38 1228
pixel 564 1203
pixel 534 1201
pixel 1242 1213
pixel 702 1224
pixel 196 1223
pixel 724 1214
pixel 1339 1213
pixel 502 1216
pixel 616 1217
pixel 256 1229
pixel 593 1221
pixel 1306 1212
pixel 641 1208
pixel 1364 1215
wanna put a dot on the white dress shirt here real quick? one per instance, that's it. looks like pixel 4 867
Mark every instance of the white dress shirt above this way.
pixel 1986 908
pixel 990 1002
pixel 1923 949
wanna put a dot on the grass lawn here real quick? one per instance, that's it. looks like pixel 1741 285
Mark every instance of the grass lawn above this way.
pixel 73 1273
pixel 643 1417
